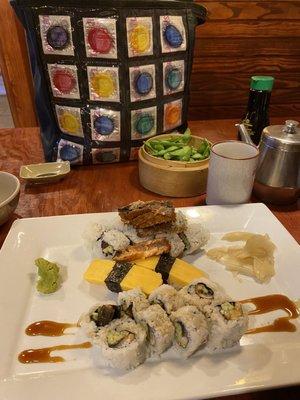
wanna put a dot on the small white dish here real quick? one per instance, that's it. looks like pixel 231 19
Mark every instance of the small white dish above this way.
pixel 9 195
pixel 45 172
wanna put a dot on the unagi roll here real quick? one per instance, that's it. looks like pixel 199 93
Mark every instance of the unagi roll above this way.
pixel 132 301
pixel 122 344
pixel 167 297
pixel 191 330
pixel 97 317
pixel 227 323
pixel 160 329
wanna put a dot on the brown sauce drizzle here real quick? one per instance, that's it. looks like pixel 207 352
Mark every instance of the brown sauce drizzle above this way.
pixel 265 304
pixel 48 328
pixel 43 355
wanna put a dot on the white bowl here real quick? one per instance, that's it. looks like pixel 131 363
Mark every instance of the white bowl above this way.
pixel 9 195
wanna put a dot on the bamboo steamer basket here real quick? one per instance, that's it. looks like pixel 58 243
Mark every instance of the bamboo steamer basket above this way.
pixel 173 178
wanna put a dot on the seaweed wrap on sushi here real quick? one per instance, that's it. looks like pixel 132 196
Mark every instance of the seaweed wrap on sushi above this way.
pixel 167 297
pixel 202 292
pixel 122 344
pixel 191 330
pixel 160 330
pixel 131 302
pixel 97 317
pixel 227 323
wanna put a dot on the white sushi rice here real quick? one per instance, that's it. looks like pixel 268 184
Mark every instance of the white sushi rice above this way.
pixel 181 223
pixel 160 329
pixel 192 296
pixel 167 297
pixel 133 301
pixel 120 235
pixel 177 245
pixel 197 236
pixel 116 239
pixel 127 356
pixel 132 235
pixel 195 326
pixel 91 236
pixel 224 333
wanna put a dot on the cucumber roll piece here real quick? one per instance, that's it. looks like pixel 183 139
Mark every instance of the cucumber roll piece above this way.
pixel 160 330
pixel 122 344
pixel 227 323
pixel 191 330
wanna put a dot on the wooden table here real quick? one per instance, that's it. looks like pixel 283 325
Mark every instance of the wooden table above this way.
pixel 106 187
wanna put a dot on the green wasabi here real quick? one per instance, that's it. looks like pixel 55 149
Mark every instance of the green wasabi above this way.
pixel 49 277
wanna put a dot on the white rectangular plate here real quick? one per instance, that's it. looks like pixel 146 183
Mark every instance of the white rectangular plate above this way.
pixel 262 361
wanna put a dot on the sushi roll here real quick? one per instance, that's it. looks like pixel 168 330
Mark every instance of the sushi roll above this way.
pixel 131 233
pixel 100 240
pixel 97 317
pixel 203 292
pixel 191 330
pixel 194 238
pixel 132 301
pixel 160 330
pixel 177 246
pixel 167 297
pixel 91 237
pixel 122 344
pixel 113 241
pixel 227 323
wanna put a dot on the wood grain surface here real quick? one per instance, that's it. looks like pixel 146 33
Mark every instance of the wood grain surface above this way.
pixel 15 68
pixel 105 188
pixel 101 188
pixel 241 39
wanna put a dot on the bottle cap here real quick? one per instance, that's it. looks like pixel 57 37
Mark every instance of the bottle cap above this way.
pixel 262 82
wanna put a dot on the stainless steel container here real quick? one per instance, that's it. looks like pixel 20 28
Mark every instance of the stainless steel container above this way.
pixel 277 177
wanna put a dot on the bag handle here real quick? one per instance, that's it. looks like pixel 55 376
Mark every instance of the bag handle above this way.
pixel 200 13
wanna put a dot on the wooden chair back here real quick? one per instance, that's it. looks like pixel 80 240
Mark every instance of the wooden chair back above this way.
pixel 15 68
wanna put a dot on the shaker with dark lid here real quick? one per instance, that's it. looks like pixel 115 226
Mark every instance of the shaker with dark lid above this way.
pixel 277 178
pixel 256 117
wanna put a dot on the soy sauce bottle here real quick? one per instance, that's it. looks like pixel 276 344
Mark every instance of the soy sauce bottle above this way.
pixel 256 117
